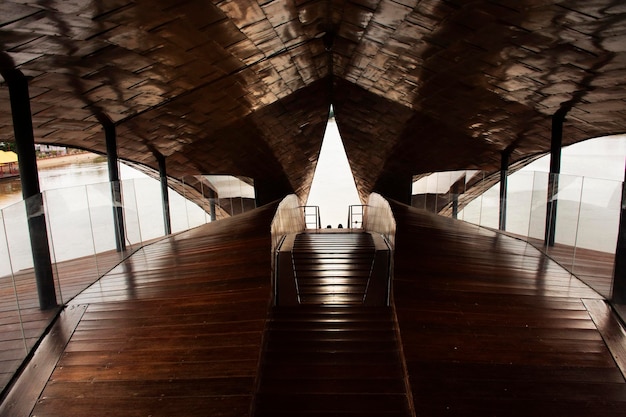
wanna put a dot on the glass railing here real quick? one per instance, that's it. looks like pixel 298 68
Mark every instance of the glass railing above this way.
pixel 220 195
pixel 586 221
pixel 81 236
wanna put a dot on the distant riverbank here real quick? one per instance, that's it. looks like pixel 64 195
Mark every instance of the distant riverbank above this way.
pixel 76 158
pixel 58 172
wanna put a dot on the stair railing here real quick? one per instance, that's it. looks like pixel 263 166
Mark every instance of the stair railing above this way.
pixel 355 216
pixel 312 218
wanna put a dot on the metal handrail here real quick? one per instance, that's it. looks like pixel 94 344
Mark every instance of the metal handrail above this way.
pixel 355 219
pixel 316 222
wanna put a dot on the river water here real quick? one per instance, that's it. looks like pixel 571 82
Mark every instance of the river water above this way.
pixel 77 199
pixel 91 171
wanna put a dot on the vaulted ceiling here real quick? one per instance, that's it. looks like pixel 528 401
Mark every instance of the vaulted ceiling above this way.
pixel 244 87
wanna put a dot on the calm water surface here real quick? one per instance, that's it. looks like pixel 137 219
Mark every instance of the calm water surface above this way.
pixel 79 213
pixel 71 175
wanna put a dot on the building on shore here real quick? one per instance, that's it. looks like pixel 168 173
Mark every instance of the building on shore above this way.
pixel 8 164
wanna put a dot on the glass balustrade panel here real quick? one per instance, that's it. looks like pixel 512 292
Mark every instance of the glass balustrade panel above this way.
pixel 519 202
pixel 12 332
pixel 71 240
pixel 101 214
pixel 537 221
pixel 18 225
pixel 149 205
pixel 132 225
pixel 597 231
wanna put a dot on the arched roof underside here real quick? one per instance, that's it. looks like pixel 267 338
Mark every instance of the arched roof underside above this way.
pixel 244 87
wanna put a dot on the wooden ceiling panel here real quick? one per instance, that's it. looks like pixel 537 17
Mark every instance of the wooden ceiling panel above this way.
pixel 224 32
pixel 134 39
pixel 138 15
pixel 244 86
pixel 11 11
pixel 52 23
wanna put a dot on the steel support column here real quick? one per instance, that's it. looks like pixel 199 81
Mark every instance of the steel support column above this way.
pixel 455 205
pixel 27 158
pixel 114 178
pixel 165 196
pixel 212 206
pixel 553 179
pixel 619 273
pixel 457 189
pixel 504 168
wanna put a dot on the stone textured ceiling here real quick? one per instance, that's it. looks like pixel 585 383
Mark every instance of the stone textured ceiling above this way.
pixel 244 87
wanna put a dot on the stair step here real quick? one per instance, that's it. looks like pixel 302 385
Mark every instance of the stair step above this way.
pixel 337 346
pixel 322 299
pixel 331 261
pixel 330 355
pixel 332 334
pixel 331 361
pixel 333 315
pixel 334 404
pixel 311 287
pixel 330 254
pixel 345 385
pixel 330 279
pixel 330 323
pixel 373 371
pixel 355 357
pixel 333 270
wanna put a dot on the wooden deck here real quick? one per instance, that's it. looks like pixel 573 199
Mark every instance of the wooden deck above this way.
pixel 488 326
pixel 491 327
pixel 593 267
pixel 19 305
pixel 174 330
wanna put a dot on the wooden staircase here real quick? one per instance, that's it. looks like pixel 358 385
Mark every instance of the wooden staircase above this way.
pixel 332 268
pixel 331 355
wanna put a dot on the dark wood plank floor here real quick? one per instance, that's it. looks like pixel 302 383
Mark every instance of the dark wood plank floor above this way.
pixel 175 330
pixel 19 305
pixel 491 327
pixel 593 267
pixel 25 392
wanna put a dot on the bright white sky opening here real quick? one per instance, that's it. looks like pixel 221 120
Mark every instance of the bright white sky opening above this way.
pixel 333 188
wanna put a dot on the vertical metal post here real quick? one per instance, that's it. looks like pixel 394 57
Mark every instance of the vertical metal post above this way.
pixel 27 158
pixel 504 168
pixel 455 206
pixel 165 197
pixel 114 179
pixel 553 179
pixel 457 188
pixel 212 196
pixel 619 273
